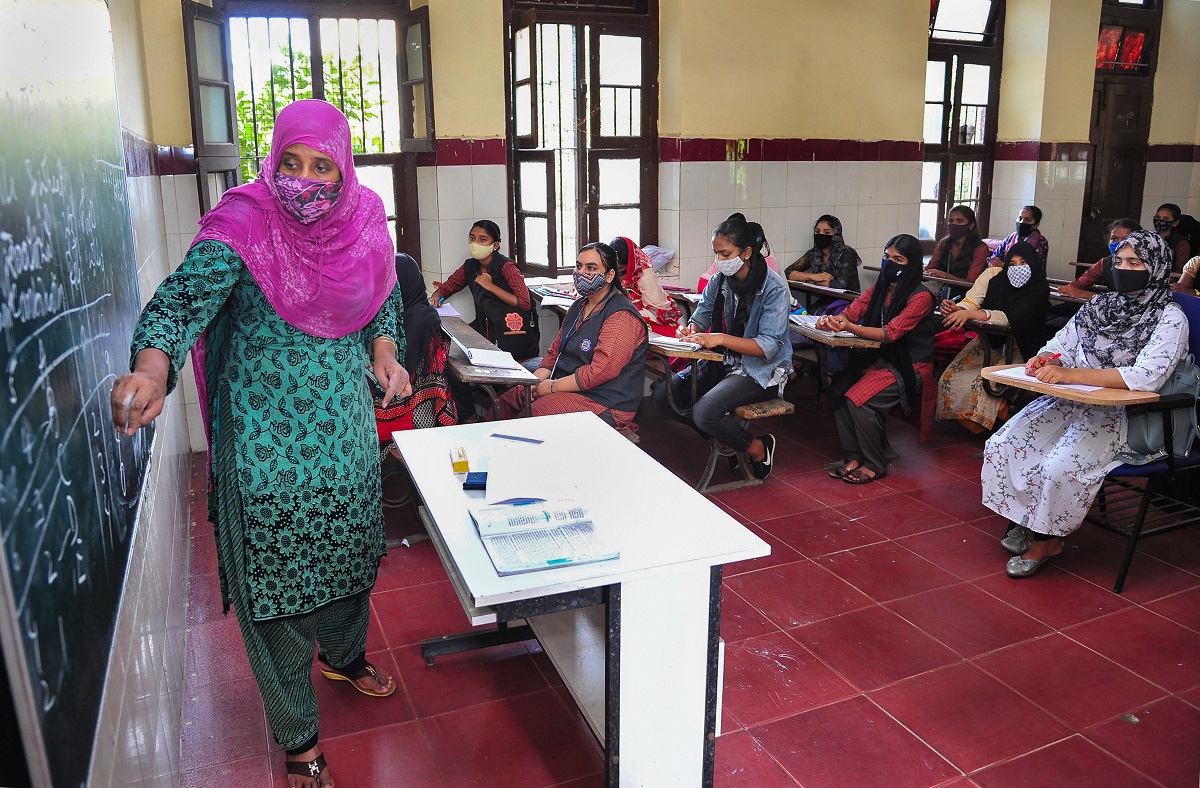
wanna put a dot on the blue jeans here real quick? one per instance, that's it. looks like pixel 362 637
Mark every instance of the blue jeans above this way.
pixel 718 394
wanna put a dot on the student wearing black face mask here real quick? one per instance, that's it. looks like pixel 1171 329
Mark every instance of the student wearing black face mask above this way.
pixel 962 252
pixel 1044 467
pixel 1027 230
pixel 830 262
pixel 1166 224
pixel 900 372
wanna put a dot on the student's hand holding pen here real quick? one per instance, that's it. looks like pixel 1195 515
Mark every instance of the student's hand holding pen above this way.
pixel 1040 361
pixel 686 331
pixel 949 307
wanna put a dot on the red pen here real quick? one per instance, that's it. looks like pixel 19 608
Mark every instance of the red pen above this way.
pixel 1048 359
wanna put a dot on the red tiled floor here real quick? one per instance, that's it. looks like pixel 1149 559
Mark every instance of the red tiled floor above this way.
pixel 852 743
pixel 962 499
pixel 873 647
pixel 739 619
pixel 345 710
pixel 456 681
pixel 222 723
pixel 968 620
pixel 534 731
pixel 204 604
pixel 797 594
pixel 404 567
pixel 1148 578
pixel 774 498
pixel 410 615
pixel 1146 643
pixel 969 717
pixel 1161 740
pixel 1178 548
pixel 1072 682
pixel 1054 597
pixel 897 515
pixel 215 652
pixel 780 554
pixel 253 772
pixel 961 549
pixel 1181 608
pixel 836 492
pixel 1074 761
pixel 741 762
pixel 773 676
pixel 391 755
pixel 821 532
pixel 957 459
pixel 886 571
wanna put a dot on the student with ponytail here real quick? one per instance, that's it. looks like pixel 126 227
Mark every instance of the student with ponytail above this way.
pixel 744 311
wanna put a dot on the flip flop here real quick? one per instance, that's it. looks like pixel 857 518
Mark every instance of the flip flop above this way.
pixel 310 769
pixel 837 470
pixel 369 670
pixel 857 477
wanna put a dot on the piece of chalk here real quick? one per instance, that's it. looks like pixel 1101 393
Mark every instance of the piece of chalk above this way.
pixel 128 409
pixel 458 459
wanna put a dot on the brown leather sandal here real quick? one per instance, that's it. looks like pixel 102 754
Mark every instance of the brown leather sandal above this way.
pixel 311 769
pixel 333 675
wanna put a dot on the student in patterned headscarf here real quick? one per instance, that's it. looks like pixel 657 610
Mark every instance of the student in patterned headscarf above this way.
pixel 830 262
pixel 1044 467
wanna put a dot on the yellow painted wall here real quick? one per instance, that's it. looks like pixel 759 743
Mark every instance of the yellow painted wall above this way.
pixel 466 46
pixel 1176 112
pixel 166 72
pixel 845 69
pixel 1048 70
pixel 127 62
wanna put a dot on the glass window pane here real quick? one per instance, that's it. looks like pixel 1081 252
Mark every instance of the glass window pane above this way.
pixel 935 80
pixel 975 83
pixel 389 89
pixel 931 178
pixel 621 60
pixel 532 182
pixel 625 222
pixel 929 217
pixel 210 63
pixel 420 129
pixel 962 20
pixel 620 182
pixel 379 180
pixel 537 241
pixel 967 178
pixel 972 125
pixel 524 110
pixel 214 103
pixel 521 54
pixel 933 124
pixel 413 54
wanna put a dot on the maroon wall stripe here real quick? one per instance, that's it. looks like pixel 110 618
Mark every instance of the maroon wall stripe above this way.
pixel 1033 150
pixel 143 158
pixel 1174 153
pixel 787 149
pixel 451 152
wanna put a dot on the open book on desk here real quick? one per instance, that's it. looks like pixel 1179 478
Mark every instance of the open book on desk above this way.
pixel 529 536
pixel 482 357
pixel 810 322
pixel 1018 373
pixel 666 343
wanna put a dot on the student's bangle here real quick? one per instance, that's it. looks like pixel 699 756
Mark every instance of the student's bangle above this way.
pixel 552 386
pixel 987 315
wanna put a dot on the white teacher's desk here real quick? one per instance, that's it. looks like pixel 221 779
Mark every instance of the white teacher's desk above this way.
pixel 636 640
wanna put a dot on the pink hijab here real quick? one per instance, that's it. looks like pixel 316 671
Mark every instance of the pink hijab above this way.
pixel 328 278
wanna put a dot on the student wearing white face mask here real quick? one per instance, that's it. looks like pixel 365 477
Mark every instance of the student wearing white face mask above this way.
pixel 503 312
pixel 744 312
pixel 1014 297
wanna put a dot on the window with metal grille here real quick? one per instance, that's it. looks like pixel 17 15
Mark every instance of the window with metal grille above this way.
pixel 582 133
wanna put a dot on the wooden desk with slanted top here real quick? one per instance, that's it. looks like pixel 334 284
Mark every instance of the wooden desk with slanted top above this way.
pixel 1101 396
pixel 486 378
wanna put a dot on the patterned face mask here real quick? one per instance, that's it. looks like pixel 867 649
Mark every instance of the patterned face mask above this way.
pixel 1018 275
pixel 305 198
pixel 587 284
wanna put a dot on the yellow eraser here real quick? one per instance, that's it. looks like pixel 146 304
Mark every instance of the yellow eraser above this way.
pixel 458 458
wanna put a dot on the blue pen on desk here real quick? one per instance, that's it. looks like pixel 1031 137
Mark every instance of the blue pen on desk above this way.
pixel 516 438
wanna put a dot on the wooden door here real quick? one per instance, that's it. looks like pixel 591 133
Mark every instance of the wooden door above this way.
pixel 1116 175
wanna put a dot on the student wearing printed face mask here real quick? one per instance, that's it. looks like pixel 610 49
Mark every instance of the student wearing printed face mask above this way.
pixel 1016 297
pixel 1027 230
pixel 1043 468
pixel 962 253
pixel 597 361
pixel 503 311
pixel 1166 224
pixel 1101 271
pixel 744 312
pixel 900 372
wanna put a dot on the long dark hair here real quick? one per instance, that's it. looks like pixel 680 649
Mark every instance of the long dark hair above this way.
pixel 966 252
pixel 608 256
pixel 743 234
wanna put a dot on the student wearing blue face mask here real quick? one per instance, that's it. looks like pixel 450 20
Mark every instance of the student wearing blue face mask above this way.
pixel 1101 272
pixel 744 312
pixel 893 312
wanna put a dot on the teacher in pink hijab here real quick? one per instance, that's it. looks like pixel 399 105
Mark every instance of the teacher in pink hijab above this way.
pixel 289 295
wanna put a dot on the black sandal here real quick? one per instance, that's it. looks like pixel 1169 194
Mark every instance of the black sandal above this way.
pixel 837 470
pixel 311 769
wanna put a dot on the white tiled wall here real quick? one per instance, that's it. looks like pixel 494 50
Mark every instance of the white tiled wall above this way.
pixel 137 739
pixel 449 200
pixel 874 201
pixel 1177 182
pixel 1057 187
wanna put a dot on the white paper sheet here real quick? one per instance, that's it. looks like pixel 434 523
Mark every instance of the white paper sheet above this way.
pixel 667 343
pixel 1018 373
pixel 810 322
pixel 445 310
pixel 495 359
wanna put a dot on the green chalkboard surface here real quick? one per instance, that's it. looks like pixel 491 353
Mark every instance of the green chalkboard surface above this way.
pixel 69 486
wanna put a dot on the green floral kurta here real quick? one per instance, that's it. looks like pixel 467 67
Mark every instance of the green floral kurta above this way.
pixel 295 498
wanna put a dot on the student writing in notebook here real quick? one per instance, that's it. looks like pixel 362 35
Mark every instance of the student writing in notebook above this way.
pixel 597 360
pixel 1044 467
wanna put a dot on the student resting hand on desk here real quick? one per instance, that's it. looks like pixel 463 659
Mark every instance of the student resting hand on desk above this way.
pixel 891 312
pixel 747 305
pixel 597 361
pixel 1044 467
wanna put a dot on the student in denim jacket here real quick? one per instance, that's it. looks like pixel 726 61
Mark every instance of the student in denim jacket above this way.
pixel 743 311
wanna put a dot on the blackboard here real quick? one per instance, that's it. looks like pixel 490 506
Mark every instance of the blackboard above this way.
pixel 69 486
